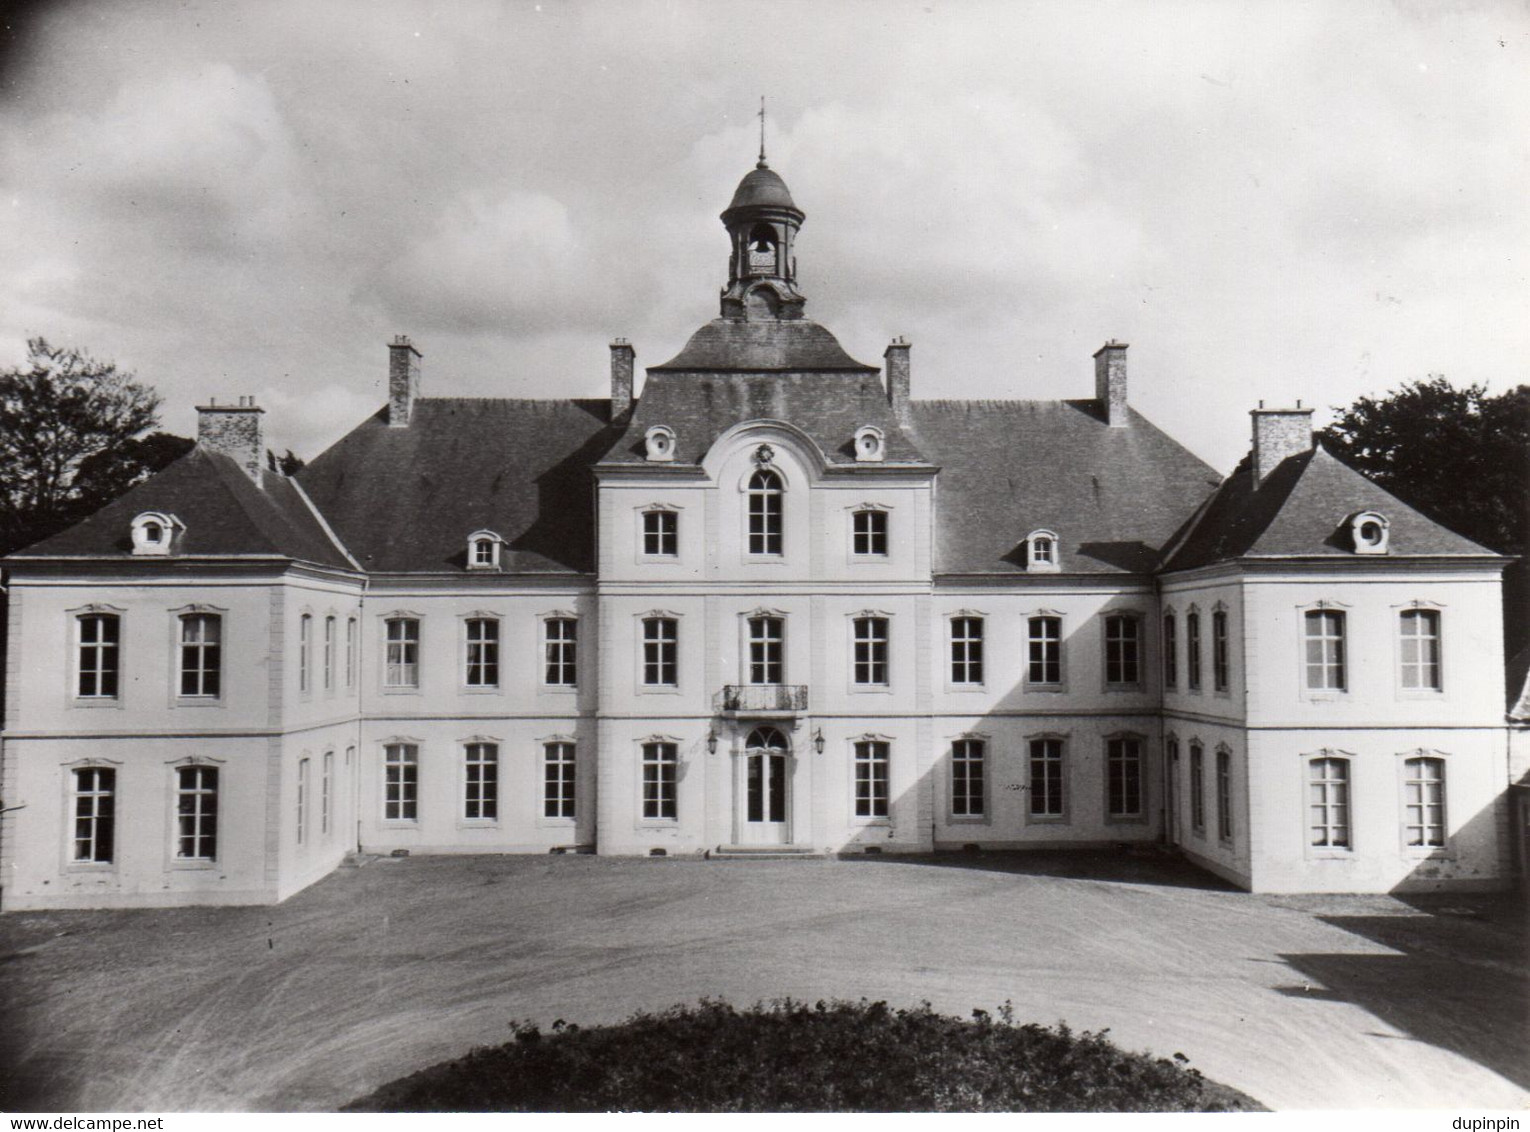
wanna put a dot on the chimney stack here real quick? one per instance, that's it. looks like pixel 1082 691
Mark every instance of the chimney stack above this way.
pixel 234 431
pixel 1110 382
pixel 899 379
pixel 403 380
pixel 1278 433
pixel 622 357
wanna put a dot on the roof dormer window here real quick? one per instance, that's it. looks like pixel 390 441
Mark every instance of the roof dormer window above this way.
pixel 869 444
pixel 1041 552
pixel 1369 532
pixel 483 550
pixel 155 533
pixel 659 444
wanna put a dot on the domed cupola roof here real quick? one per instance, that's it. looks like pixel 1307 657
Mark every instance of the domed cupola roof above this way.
pixel 761 187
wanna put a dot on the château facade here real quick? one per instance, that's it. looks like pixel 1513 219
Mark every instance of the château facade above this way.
pixel 769 602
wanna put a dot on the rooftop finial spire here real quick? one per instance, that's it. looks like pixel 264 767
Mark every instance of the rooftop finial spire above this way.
pixel 761 163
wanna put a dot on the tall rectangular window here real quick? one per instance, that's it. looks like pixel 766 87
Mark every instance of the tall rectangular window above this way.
pixel 327 794
pixel 1193 651
pixel 1424 802
pixel 767 646
pixel 1325 650
pixel 201 654
pixel 1219 664
pixel 871 778
pixel 350 652
pixel 302 801
pixel 1123 643
pixel 1123 770
pixel 969 794
pixel 482 652
pixel 560 652
pixel 1046 778
pixel 869 535
pixel 558 780
pixel 660 767
pixel 401 782
pixel 305 652
pixel 661 646
pixel 1420 629
pixel 966 650
pixel 1224 796
pixel 1328 802
pixel 329 653
pixel 1197 788
pixel 765 512
pixel 871 651
pixel 402 660
pixel 100 635
pixel 196 813
pixel 661 533
pixel 1045 665
pixel 481 782
pixel 95 814
pixel 1170 651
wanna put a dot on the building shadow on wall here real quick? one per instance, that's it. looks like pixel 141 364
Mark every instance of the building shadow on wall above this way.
pixel 1139 865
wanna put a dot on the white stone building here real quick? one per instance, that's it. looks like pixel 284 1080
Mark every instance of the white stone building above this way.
pixel 772 602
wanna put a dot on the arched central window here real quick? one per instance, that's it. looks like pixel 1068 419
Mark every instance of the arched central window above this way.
pixel 765 512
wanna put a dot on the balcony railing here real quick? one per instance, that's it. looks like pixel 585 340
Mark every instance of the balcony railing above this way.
pixel 784 699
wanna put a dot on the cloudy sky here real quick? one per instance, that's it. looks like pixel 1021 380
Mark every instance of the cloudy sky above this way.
pixel 1271 200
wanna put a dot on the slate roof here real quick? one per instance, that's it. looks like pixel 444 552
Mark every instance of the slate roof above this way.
pixel 1113 496
pixel 1299 510
pixel 761 187
pixel 405 499
pixel 222 509
pixel 767 346
pixel 700 408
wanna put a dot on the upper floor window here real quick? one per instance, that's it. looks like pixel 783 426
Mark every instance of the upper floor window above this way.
pixel 95 814
pixel 871 651
pixel 765 493
pixel 201 654
pixel 481 782
pixel 560 652
pixel 1424 802
pixel 1041 552
pixel 558 780
pixel 767 640
pixel 1325 649
pixel 350 652
pixel 482 652
pixel 1224 795
pixel 1197 788
pixel 966 650
pixel 1328 802
pixel 401 782
pixel 661 646
pixel 870 533
pixel 1420 631
pixel 661 534
pixel 1123 770
pixel 305 653
pixel 1046 793
pixel 329 653
pixel 1219 658
pixel 196 813
pixel 402 660
pixel 1123 643
pixel 660 781
pixel 1045 664
pixel 968 781
pixel 100 635
pixel 871 778
pixel 1170 651
pixel 1193 650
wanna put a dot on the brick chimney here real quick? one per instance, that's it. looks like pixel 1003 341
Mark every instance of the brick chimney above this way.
pixel 1278 433
pixel 1110 382
pixel 403 380
pixel 235 431
pixel 899 379
pixel 622 358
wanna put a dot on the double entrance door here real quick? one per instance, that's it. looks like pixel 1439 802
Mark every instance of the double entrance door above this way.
pixel 766 795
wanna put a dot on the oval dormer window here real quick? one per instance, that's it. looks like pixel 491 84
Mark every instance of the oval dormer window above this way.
pixel 154 532
pixel 868 444
pixel 1369 532
pixel 659 443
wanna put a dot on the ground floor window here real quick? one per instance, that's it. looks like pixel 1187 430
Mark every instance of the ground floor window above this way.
pixel 1328 802
pixel 558 780
pixel 95 814
pixel 196 813
pixel 481 783
pixel 968 785
pixel 1197 789
pixel 871 779
pixel 302 801
pixel 401 782
pixel 660 767
pixel 1424 802
pixel 1046 778
pixel 1123 759
pixel 1224 796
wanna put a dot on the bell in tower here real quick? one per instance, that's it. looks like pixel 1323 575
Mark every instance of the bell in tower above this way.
pixel 762 223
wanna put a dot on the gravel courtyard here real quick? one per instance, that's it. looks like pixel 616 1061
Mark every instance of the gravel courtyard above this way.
pixel 1302 1002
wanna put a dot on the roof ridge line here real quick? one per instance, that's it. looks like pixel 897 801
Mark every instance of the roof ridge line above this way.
pixel 324 524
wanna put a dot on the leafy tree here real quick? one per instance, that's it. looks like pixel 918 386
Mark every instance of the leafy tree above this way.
pixel 1459 455
pixel 288 465
pixel 70 429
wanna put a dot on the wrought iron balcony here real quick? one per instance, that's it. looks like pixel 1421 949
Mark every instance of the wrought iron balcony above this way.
pixel 763 699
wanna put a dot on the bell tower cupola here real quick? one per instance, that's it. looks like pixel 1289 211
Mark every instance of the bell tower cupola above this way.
pixel 762 223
